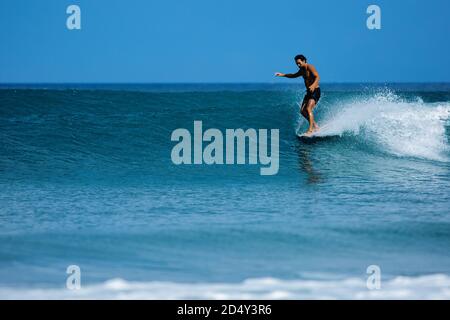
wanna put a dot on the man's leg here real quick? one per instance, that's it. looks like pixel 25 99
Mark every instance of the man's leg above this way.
pixel 309 109
pixel 303 111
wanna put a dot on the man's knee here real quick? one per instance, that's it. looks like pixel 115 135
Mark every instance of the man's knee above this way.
pixel 310 105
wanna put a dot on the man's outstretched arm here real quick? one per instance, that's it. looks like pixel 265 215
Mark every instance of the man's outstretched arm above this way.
pixel 289 75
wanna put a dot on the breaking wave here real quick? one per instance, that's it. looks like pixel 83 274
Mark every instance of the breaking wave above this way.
pixel 435 286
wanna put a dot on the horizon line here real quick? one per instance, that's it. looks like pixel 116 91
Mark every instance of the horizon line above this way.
pixel 225 82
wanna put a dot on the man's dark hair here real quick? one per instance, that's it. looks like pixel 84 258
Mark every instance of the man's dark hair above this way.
pixel 301 57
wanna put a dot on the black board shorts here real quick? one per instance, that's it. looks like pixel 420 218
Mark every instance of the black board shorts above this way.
pixel 315 95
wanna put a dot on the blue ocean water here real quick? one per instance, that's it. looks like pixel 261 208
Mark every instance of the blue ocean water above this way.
pixel 87 179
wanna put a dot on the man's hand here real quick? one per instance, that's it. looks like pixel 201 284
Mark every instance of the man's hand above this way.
pixel 279 74
pixel 312 88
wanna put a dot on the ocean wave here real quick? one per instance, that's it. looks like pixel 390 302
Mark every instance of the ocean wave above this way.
pixel 399 127
pixel 436 286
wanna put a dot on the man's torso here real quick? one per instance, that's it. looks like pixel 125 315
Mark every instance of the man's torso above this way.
pixel 308 77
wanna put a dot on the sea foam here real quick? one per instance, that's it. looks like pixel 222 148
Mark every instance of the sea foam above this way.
pixel 435 286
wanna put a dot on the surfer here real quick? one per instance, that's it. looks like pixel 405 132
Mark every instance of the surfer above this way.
pixel 312 96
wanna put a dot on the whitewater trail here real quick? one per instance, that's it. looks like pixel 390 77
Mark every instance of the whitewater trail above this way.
pixel 402 128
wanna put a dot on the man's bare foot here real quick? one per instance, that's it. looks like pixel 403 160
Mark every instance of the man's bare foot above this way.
pixel 308 133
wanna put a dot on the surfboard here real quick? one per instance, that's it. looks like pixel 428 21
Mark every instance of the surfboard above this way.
pixel 309 135
pixel 316 134
pixel 314 138
pixel 322 134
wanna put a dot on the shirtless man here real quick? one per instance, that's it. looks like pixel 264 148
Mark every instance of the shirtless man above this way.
pixel 311 77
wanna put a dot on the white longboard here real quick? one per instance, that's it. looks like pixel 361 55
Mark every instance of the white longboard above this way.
pixel 318 133
pixel 309 135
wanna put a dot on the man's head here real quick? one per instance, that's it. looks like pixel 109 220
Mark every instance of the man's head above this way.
pixel 300 60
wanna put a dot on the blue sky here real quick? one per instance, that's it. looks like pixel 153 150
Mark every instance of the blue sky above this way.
pixel 223 40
